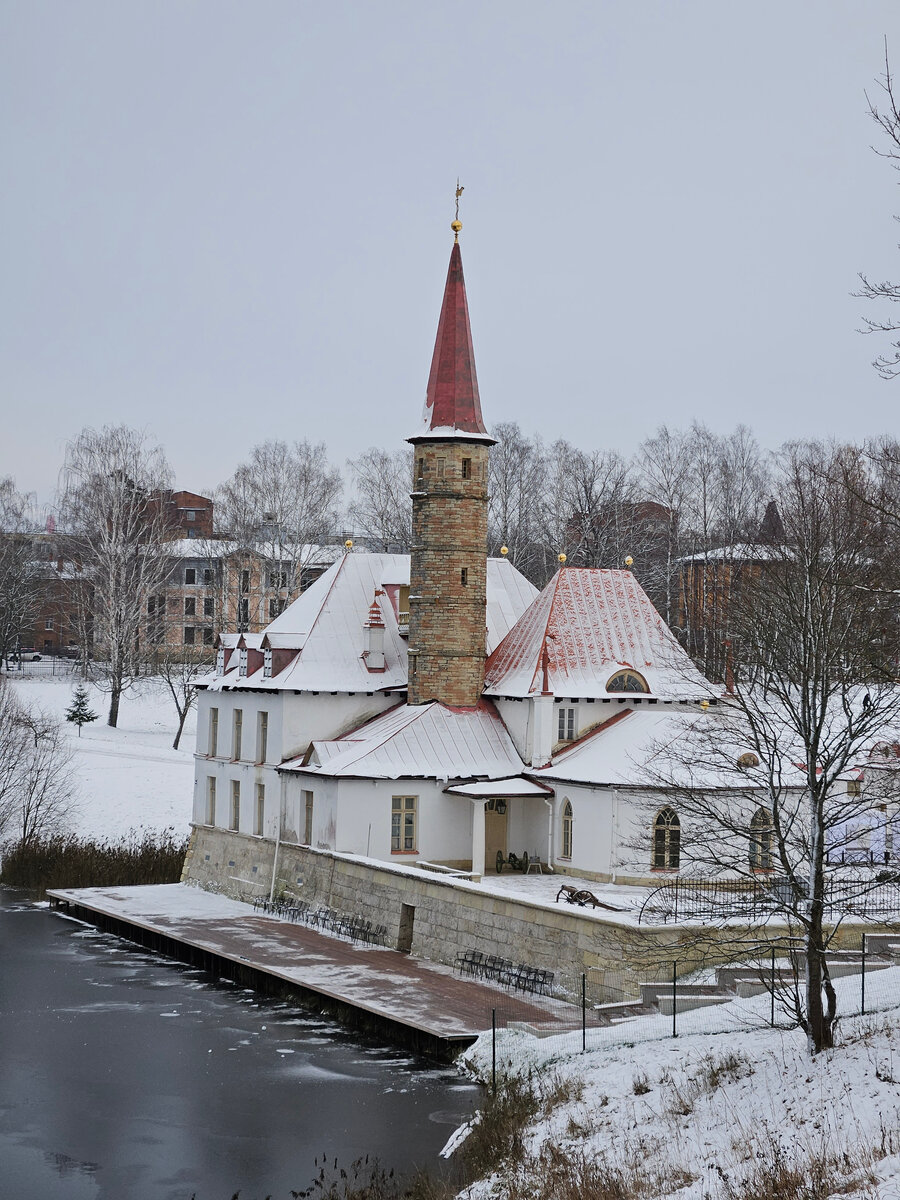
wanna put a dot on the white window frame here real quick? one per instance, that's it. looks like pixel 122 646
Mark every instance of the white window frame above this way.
pixel 566 727
pixel 237 733
pixel 212 748
pixel 262 735
pixel 260 809
pixel 235 823
pixel 309 800
pixel 210 800
pixel 568 821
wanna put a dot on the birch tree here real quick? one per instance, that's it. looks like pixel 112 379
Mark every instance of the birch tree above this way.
pixel 381 511
pixel 36 789
pixel 22 585
pixel 116 529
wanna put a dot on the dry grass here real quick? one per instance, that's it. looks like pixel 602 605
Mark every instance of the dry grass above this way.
pixel 68 861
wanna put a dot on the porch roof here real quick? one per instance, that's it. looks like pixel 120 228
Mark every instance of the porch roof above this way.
pixel 504 789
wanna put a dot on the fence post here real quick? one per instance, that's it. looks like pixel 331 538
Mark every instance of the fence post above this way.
pixel 676 901
pixel 674 999
pixel 494 1050
pixel 863 982
pixel 583 1014
pixel 772 1015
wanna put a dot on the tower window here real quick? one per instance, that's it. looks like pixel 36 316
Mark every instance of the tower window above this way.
pixel 467 468
pixel 464 576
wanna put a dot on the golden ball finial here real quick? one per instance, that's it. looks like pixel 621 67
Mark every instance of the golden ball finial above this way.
pixel 561 558
pixel 504 550
pixel 629 562
pixel 704 704
pixel 348 545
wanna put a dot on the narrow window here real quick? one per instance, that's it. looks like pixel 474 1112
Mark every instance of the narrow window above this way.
pixel 209 607
pixel 566 719
pixel 243 658
pixel 207 575
pixel 267 664
pixel 276 608
pixel 188 635
pixel 191 515
pixel 567 830
pixel 308 827
pixel 441 467
pixel 190 575
pixel 209 636
pixel 220 661
pixel 243 613
pixel 464 576
pixel 761 837
pixel 213 732
pixel 403 824
pixel 211 800
pixel 190 607
pixel 260 808
pixel 467 468
pixel 420 470
pixel 245 581
pixel 262 736
pixel 237 731
pixel 667 841
pixel 235 804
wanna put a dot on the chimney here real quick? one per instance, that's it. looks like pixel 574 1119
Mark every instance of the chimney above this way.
pixel 374 651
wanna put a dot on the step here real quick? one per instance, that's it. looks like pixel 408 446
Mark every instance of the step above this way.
pixel 689 1003
pixel 650 992
pixel 618 1010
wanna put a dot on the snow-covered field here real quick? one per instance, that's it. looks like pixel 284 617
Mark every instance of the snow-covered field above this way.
pixel 128 777
pixel 703 1115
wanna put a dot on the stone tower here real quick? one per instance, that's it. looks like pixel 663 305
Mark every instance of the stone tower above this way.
pixel 448 567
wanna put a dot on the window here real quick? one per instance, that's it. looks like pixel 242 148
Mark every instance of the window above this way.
pixel 189 632
pixel 441 467
pixel 761 838
pixel 567 830
pixel 627 681
pixel 308 827
pixel 403 824
pixel 192 533
pixel 420 470
pixel 209 637
pixel 260 809
pixel 191 515
pixel 262 736
pixel 235 804
pixel 237 731
pixel 667 841
pixel 464 576
pixel 276 607
pixel 190 607
pixel 211 800
pixel 243 613
pixel 207 575
pixel 243 657
pixel 467 468
pixel 566 719
pixel 278 579
pixel 209 607
pixel 48 624
pixel 220 661
pixel 190 575
pixel 213 747
pixel 267 664
pixel 245 581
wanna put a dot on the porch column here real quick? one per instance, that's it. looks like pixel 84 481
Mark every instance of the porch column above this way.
pixel 478 838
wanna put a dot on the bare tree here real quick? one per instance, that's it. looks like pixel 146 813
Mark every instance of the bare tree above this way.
pixel 282 503
pixel 380 510
pixel 517 478
pixel 814 688
pixel 182 668
pixel 112 481
pixel 22 584
pixel 887 118
pixel 36 790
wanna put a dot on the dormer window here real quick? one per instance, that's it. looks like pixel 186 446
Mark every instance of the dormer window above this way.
pixel 243 660
pixel 627 681
pixel 220 661
pixel 267 664
pixel 566 724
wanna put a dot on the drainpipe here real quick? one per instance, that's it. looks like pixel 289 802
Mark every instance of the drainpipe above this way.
pixel 277 839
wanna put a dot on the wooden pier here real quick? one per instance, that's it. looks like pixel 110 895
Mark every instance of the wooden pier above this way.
pixel 420 1004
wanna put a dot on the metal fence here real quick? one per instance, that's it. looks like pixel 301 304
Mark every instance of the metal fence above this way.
pixel 762 988
pixel 870 896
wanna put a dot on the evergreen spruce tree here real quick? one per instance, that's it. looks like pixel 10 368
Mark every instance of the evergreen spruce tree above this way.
pixel 79 711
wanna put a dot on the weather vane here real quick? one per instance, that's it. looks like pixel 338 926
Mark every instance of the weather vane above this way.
pixel 456 223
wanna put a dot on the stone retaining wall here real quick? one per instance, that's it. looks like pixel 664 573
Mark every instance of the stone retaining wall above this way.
pixel 450 917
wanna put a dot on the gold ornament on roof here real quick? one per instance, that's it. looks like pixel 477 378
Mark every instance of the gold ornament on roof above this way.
pixel 561 558
pixel 629 562
pixel 504 550
pixel 348 545
pixel 456 223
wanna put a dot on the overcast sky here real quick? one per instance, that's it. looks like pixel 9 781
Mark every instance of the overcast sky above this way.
pixel 227 222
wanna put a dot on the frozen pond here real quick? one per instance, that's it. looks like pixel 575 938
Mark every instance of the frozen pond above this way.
pixel 127 1077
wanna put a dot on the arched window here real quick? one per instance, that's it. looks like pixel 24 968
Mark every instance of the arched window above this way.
pixel 667 840
pixel 567 830
pixel 761 839
pixel 627 681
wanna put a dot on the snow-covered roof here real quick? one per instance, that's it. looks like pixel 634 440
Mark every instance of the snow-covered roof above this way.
pixel 422 740
pixel 737 552
pixel 326 626
pixel 591 624
pixel 306 554
pixel 501 788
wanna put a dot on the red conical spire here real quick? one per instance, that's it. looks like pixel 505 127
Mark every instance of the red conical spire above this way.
pixel 452 404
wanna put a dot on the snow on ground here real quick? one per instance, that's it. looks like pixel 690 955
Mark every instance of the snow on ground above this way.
pixel 128 778
pixel 718 1108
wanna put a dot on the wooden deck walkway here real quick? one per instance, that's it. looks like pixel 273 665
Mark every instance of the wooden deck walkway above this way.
pixel 423 1003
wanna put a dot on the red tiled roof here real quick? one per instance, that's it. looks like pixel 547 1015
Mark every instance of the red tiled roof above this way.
pixel 452 403
pixel 590 623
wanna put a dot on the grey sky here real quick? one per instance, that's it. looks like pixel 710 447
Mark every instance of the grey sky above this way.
pixel 226 222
